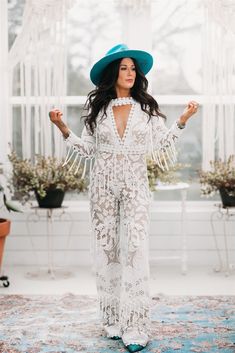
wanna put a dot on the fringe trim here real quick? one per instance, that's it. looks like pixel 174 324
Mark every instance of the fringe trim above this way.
pixel 81 157
pixel 135 314
pixel 159 155
pixel 109 309
pixel 77 162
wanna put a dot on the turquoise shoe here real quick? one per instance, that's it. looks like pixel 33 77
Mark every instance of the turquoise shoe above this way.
pixel 134 347
pixel 115 338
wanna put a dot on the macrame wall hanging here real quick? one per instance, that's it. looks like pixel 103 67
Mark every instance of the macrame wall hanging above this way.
pixel 218 80
pixel 39 53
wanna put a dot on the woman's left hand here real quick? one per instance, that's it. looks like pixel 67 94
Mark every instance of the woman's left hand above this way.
pixel 189 111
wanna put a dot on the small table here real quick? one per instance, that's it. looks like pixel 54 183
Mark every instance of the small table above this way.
pixel 224 214
pixel 182 187
pixel 49 215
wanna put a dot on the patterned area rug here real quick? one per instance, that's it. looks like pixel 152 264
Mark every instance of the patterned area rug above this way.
pixel 69 324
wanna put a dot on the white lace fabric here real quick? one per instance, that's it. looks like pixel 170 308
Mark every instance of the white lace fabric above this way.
pixel 119 210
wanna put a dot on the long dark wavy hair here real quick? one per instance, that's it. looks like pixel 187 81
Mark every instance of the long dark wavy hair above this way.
pixel 100 97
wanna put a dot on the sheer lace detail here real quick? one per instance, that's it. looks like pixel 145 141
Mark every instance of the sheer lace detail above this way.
pixel 119 210
pixel 120 222
pixel 154 140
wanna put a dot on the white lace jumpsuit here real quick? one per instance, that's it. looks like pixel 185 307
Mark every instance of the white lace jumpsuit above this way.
pixel 119 209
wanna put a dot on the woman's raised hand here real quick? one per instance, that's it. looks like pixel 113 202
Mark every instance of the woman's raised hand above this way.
pixel 55 116
pixel 190 109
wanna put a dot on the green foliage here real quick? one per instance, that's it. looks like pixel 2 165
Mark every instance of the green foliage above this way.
pixel 47 173
pixel 155 173
pixel 221 175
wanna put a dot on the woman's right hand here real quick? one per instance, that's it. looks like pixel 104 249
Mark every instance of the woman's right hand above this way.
pixel 56 116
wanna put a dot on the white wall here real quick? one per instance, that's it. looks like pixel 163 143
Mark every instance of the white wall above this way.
pixel 165 236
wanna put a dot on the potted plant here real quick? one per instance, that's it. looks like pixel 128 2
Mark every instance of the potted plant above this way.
pixel 157 175
pixel 46 178
pixel 221 178
pixel 5 225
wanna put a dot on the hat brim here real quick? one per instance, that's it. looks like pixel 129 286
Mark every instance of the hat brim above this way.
pixel 144 59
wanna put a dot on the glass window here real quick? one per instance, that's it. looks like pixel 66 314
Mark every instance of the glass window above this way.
pixel 89 36
pixel 176 47
pixel 17 131
pixel 15 14
pixel 74 120
pixel 177 70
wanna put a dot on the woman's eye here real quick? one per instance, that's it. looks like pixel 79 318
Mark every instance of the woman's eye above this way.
pixel 124 68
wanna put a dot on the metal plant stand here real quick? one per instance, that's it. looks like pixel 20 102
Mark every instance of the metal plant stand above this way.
pixel 223 214
pixel 50 215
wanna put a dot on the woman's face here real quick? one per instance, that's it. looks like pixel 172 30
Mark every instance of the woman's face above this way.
pixel 127 74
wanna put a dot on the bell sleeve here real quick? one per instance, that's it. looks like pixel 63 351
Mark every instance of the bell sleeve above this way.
pixel 80 149
pixel 163 140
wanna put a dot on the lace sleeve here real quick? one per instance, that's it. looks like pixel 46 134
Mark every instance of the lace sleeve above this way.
pixel 80 148
pixel 163 141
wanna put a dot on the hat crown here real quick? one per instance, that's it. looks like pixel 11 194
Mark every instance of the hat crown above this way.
pixel 118 48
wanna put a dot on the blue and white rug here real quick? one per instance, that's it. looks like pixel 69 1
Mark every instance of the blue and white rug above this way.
pixel 69 324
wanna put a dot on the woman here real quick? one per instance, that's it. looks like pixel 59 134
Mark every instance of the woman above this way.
pixel 123 126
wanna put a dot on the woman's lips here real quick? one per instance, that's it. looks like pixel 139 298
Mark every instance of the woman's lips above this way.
pixel 129 80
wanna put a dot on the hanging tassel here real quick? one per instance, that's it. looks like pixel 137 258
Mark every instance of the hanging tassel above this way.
pixel 90 172
pixel 84 169
pixel 67 159
pixel 159 161
pixel 154 155
pixel 75 159
pixel 170 158
pixel 164 159
pixel 173 150
pixel 80 160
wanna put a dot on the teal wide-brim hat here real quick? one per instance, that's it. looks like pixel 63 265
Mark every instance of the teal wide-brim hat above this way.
pixel 144 60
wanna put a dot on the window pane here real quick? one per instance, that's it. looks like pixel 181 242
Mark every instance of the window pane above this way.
pixel 189 147
pixel 74 120
pixel 17 131
pixel 15 14
pixel 89 36
pixel 176 43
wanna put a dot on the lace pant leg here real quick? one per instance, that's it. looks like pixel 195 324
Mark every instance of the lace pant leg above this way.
pixel 135 291
pixel 105 221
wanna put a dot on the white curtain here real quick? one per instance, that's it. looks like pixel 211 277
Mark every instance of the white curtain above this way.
pixel 218 54
pixel 39 53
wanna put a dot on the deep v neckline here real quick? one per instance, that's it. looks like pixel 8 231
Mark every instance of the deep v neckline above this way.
pixel 128 123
